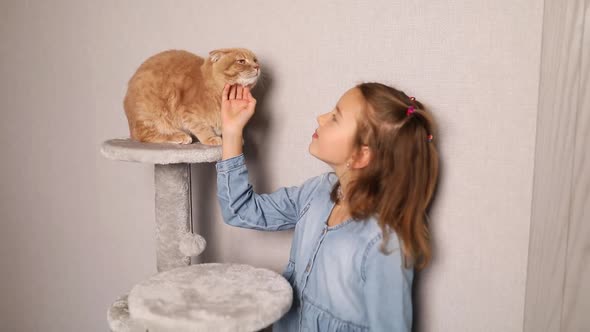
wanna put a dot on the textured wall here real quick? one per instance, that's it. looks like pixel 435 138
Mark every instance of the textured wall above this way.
pixel 78 230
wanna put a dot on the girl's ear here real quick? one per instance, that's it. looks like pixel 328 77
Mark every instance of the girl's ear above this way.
pixel 215 55
pixel 362 157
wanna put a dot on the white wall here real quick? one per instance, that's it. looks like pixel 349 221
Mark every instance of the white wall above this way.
pixel 78 230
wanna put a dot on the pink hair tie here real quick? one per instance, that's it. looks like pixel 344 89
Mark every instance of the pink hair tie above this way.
pixel 410 111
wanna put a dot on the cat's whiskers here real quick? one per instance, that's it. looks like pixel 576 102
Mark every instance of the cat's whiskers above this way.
pixel 248 80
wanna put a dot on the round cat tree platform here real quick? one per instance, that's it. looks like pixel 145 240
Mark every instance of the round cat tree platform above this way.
pixel 183 297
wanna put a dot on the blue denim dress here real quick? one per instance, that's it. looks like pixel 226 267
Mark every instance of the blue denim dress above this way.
pixel 340 279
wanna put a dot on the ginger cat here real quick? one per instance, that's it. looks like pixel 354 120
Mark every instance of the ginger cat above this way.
pixel 175 93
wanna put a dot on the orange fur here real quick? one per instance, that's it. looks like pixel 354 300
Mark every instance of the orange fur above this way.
pixel 175 93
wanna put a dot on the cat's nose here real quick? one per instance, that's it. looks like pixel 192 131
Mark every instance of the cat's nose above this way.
pixel 256 67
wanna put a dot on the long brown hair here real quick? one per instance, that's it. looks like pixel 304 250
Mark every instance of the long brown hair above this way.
pixel 398 183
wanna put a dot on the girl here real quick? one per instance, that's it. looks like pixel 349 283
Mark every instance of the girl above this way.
pixel 347 271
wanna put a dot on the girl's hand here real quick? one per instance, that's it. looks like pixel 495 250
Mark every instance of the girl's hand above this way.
pixel 237 107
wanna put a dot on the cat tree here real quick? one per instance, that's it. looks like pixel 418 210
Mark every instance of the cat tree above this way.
pixel 180 296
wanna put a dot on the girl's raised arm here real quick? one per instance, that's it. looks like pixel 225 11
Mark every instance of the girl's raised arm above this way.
pixel 242 207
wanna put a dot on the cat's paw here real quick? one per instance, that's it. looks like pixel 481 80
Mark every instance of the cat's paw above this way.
pixel 181 138
pixel 213 140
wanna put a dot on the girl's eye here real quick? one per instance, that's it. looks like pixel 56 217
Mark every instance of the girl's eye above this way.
pixel 334 117
pixel 241 61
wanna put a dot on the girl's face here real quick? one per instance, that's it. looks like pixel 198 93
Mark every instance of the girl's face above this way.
pixel 332 141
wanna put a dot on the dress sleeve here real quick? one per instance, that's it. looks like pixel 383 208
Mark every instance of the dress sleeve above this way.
pixel 387 288
pixel 242 207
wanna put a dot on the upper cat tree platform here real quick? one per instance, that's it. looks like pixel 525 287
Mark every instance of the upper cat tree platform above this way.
pixel 160 153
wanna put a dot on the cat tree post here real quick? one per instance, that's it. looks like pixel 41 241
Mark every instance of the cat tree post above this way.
pixel 175 242
pixel 184 297
pixel 173 212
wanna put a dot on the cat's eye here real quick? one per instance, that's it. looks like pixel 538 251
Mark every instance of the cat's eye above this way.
pixel 241 61
pixel 255 60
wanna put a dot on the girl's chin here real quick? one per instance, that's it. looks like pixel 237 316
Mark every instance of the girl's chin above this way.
pixel 311 150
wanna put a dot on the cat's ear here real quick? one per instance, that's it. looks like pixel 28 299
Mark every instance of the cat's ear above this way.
pixel 215 55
